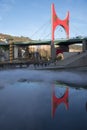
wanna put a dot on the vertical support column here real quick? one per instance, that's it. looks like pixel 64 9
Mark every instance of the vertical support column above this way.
pixel 84 46
pixel 11 51
pixel 53 52
pixel 15 52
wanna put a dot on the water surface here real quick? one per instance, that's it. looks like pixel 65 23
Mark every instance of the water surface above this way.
pixel 43 100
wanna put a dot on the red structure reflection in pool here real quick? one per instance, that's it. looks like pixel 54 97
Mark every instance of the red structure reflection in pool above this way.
pixel 57 101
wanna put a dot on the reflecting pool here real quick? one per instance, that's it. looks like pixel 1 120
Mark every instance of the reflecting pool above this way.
pixel 43 100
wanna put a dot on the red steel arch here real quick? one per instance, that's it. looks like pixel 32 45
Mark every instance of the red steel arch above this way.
pixel 56 22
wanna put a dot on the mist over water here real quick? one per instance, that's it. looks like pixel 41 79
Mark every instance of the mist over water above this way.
pixel 25 75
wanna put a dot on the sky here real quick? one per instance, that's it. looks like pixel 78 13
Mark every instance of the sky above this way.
pixel 32 18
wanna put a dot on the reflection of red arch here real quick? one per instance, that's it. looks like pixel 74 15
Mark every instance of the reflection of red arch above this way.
pixel 56 21
pixel 57 101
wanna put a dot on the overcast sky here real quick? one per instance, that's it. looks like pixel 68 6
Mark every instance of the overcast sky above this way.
pixel 32 18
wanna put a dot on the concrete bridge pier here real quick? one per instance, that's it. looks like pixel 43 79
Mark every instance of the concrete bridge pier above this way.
pixel 15 52
pixel 53 52
pixel 84 42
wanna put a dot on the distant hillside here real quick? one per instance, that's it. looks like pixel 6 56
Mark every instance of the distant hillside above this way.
pixel 4 37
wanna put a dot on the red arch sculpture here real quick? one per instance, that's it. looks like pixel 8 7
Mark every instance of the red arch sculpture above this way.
pixel 57 101
pixel 56 21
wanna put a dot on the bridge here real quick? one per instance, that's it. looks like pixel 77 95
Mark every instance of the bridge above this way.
pixel 56 42
pixel 62 43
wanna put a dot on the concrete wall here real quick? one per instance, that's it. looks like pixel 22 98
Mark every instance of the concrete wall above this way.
pixel 69 54
pixel 79 60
